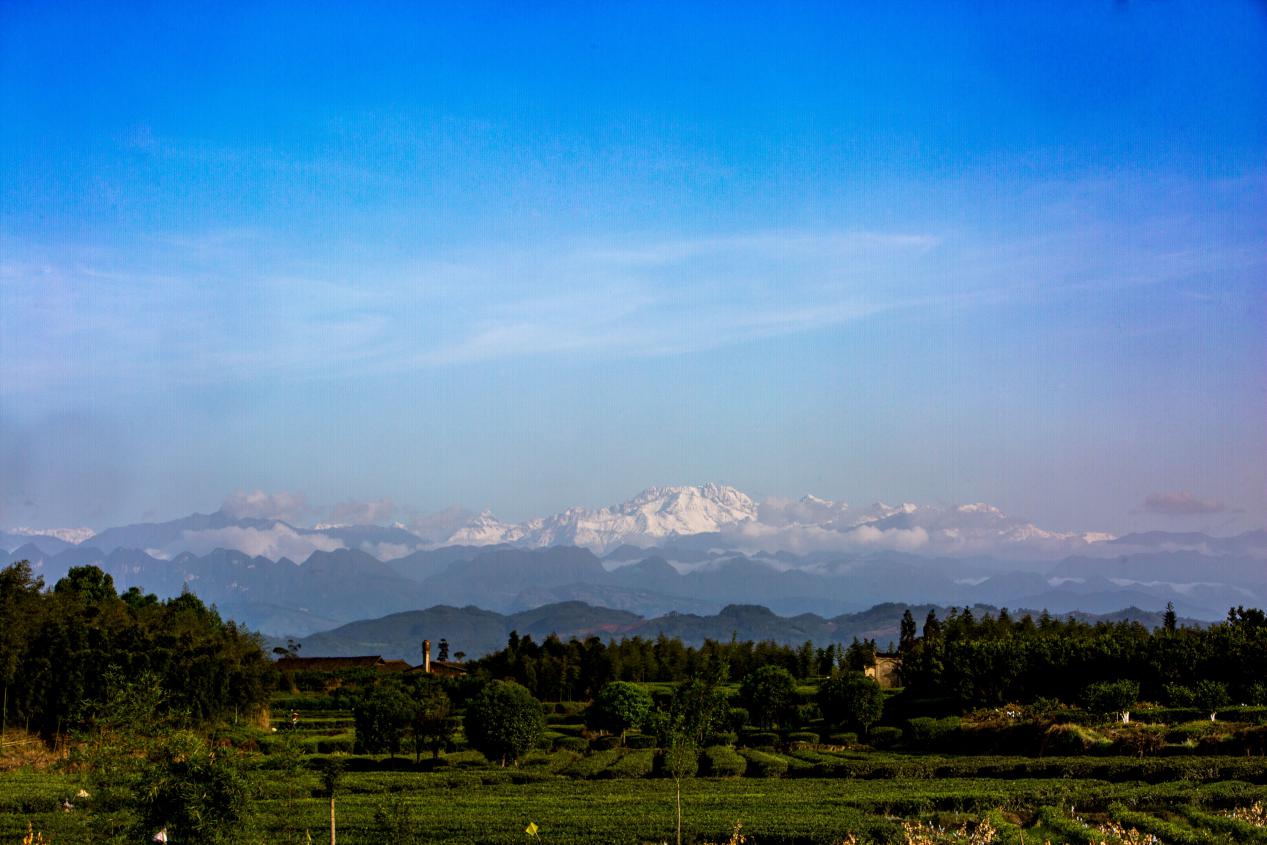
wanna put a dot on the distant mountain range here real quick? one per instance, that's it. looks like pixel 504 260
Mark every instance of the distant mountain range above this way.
pixel 477 632
pixel 344 585
pixel 669 549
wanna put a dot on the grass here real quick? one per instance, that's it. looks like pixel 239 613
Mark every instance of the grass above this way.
pixel 800 797
pixel 466 801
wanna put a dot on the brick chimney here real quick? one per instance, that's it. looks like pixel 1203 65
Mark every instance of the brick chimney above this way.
pixel 426 656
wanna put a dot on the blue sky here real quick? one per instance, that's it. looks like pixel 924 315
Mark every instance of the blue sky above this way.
pixel 527 258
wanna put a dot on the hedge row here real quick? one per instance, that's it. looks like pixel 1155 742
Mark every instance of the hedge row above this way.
pixel 723 761
pixel 763 765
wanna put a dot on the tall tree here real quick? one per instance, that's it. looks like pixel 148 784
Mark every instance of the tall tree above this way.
pixel 906 635
pixel 19 609
pixel 432 726
pixel 851 699
pixel 382 716
pixel 769 694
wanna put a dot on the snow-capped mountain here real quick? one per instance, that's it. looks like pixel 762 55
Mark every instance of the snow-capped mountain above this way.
pixel 72 536
pixel 655 514
pixel 807 524
pixel 484 529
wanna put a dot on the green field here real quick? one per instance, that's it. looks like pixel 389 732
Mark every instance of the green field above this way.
pixel 779 788
pixel 795 793
pixel 466 801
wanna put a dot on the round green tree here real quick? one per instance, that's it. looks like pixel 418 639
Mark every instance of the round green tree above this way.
pixel 1210 696
pixel 769 694
pixel 1111 698
pixel 503 721
pixel 382 717
pixel 618 707
pixel 851 699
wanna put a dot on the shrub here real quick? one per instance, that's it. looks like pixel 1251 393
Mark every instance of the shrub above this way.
pixel 807 737
pixel 640 741
pixel 335 745
pixel 602 743
pixel 571 709
pixel 1250 741
pixel 763 765
pixel 726 738
pixel 1142 740
pixel 594 764
pixel 927 733
pixel 571 743
pixel 202 795
pixel 806 762
pixel 737 719
pixel 1191 731
pixel 1256 693
pixel 847 738
pixel 724 762
pixel 885 737
pixel 464 759
pixel 680 761
pixel 807 713
pixel 634 764
pixel 1071 739
pixel 561 759
pixel 1178 695
pixel 761 739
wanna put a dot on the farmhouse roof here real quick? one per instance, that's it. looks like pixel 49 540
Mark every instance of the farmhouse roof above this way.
pixel 441 667
pixel 395 666
pixel 329 664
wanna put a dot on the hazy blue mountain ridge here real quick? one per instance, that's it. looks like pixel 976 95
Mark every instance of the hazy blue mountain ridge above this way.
pixel 477 632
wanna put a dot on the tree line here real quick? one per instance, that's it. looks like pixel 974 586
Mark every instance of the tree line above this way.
pixel 503 719
pixel 964 660
pixel 995 659
pixel 64 650
pixel 575 670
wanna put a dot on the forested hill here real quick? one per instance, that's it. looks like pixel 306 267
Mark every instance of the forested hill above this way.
pixel 477 632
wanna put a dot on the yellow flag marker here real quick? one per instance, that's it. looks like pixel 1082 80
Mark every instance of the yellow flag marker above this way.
pixel 531 829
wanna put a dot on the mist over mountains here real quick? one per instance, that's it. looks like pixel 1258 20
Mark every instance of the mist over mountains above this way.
pixel 668 550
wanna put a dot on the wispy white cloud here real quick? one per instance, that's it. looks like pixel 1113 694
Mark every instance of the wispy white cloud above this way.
pixel 273 543
pixel 772 245
pixel 1182 503
pixel 203 309
pixel 363 512
pixel 228 306
pixel 288 507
